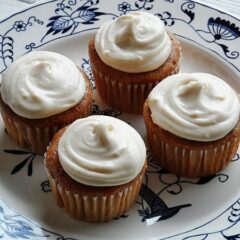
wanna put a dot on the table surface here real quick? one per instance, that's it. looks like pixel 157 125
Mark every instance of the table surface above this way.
pixel 231 6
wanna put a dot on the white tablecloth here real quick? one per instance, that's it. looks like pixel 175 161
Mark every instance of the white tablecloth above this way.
pixel 231 6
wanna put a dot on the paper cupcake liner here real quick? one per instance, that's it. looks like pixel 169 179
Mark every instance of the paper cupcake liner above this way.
pixel 126 97
pixel 33 138
pixel 191 162
pixel 95 208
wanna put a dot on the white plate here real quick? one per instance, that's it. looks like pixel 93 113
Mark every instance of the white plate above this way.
pixel 169 207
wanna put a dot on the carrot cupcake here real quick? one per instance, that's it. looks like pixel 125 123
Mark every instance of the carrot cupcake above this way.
pixel 95 167
pixel 193 125
pixel 40 93
pixel 129 56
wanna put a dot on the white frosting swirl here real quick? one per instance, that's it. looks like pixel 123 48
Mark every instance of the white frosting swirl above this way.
pixel 101 151
pixel 137 42
pixel 196 106
pixel 41 84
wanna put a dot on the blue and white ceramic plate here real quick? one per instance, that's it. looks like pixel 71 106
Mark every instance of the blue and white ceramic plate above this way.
pixel 168 207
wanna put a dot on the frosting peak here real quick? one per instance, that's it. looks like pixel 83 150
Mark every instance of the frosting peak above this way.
pixel 196 106
pixel 37 85
pixel 137 42
pixel 101 151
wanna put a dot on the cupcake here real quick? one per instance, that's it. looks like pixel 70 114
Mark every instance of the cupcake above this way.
pixel 95 167
pixel 40 93
pixel 129 56
pixel 193 126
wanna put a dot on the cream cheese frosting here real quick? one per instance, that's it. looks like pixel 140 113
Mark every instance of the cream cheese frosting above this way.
pixel 101 151
pixel 195 106
pixel 41 84
pixel 137 42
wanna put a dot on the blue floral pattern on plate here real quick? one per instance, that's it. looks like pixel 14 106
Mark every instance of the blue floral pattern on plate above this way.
pixel 15 226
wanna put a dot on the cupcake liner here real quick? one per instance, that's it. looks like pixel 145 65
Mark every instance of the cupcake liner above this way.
pixel 36 137
pixel 126 97
pixel 95 207
pixel 30 137
pixel 189 158
pixel 191 162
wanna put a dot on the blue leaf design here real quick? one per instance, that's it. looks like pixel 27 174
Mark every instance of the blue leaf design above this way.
pixel 86 15
pixel 63 23
pixel 20 166
pixel 50 30
pixel 190 13
pixel 224 48
pixel 66 29
pixel 232 55
pixel 54 18
pixel 6 45
pixel 15 151
pixel 86 23
pixel 16 228
pixel 59 24
pixel 30 166
pixel 8 57
pixel 137 5
pixel 9 38
pixel 186 8
pixel 57 31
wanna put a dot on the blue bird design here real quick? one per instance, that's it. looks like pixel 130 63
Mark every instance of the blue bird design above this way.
pixel 158 208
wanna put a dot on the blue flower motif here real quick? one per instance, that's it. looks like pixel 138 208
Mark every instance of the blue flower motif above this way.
pixel 19 26
pixel 124 7
pixel 70 21
pixel 222 29
pixel 166 17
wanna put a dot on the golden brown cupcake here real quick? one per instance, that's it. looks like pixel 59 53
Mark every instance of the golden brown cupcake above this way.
pixel 193 126
pixel 95 167
pixel 40 93
pixel 129 56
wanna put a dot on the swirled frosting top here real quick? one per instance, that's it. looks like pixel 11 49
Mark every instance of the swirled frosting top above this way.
pixel 41 84
pixel 137 42
pixel 195 106
pixel 101 151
